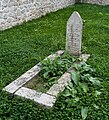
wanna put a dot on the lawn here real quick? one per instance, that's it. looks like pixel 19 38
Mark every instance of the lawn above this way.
pixel 23 46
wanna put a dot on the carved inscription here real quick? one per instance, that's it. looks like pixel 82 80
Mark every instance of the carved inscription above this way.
pixel 74 34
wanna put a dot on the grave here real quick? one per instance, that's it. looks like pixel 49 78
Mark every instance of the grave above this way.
pixel 48 98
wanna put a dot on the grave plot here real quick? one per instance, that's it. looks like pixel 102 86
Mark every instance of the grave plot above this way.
pixel 25 86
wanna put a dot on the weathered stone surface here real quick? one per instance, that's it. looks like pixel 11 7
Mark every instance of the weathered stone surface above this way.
pixel 99 2
pixel 15 85
pixel 74 34
pixel 33 9
pixel 47 100
pixel 60 86
pixel 28 93
pixel 41 98
pixel 53 56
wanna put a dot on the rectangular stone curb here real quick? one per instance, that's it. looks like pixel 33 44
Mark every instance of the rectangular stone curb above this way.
pixel 15 85
pixel 28 93
pixel 60 86
pixel 38 97
pixel 47 100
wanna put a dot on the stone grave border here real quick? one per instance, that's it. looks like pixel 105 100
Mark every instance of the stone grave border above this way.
pixel 47 99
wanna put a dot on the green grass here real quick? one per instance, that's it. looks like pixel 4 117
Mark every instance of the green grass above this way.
pixel 37 84
pixel 23 46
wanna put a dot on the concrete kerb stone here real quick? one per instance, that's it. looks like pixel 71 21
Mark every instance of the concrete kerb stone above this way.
pixel 60 86
pixel 28 93
pixel 47 100
pixel 38 97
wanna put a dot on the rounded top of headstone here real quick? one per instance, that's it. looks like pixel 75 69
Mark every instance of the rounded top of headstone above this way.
pixel 75 17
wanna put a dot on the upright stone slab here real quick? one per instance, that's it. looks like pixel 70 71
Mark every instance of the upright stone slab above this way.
pixel 74 34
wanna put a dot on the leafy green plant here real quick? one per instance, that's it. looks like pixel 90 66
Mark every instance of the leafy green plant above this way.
pixel 82 84
pixel 54 68
pixel 84 112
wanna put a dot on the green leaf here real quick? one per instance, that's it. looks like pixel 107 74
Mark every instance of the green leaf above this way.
pixel 96 106
pixel 67 93
pixel 75 77
pixel 97 93
pixel 86 67
pixel 76 66
pixel 94 81
pixel 76 99
pixel 46 74
pixel 74 92
pixel 70 84
pixel 84 112
pixel 84 86
pixel 52 79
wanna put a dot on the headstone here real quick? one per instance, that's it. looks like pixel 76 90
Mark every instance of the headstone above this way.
pixel 74 34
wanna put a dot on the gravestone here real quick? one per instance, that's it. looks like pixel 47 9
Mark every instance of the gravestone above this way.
pixel 74 34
